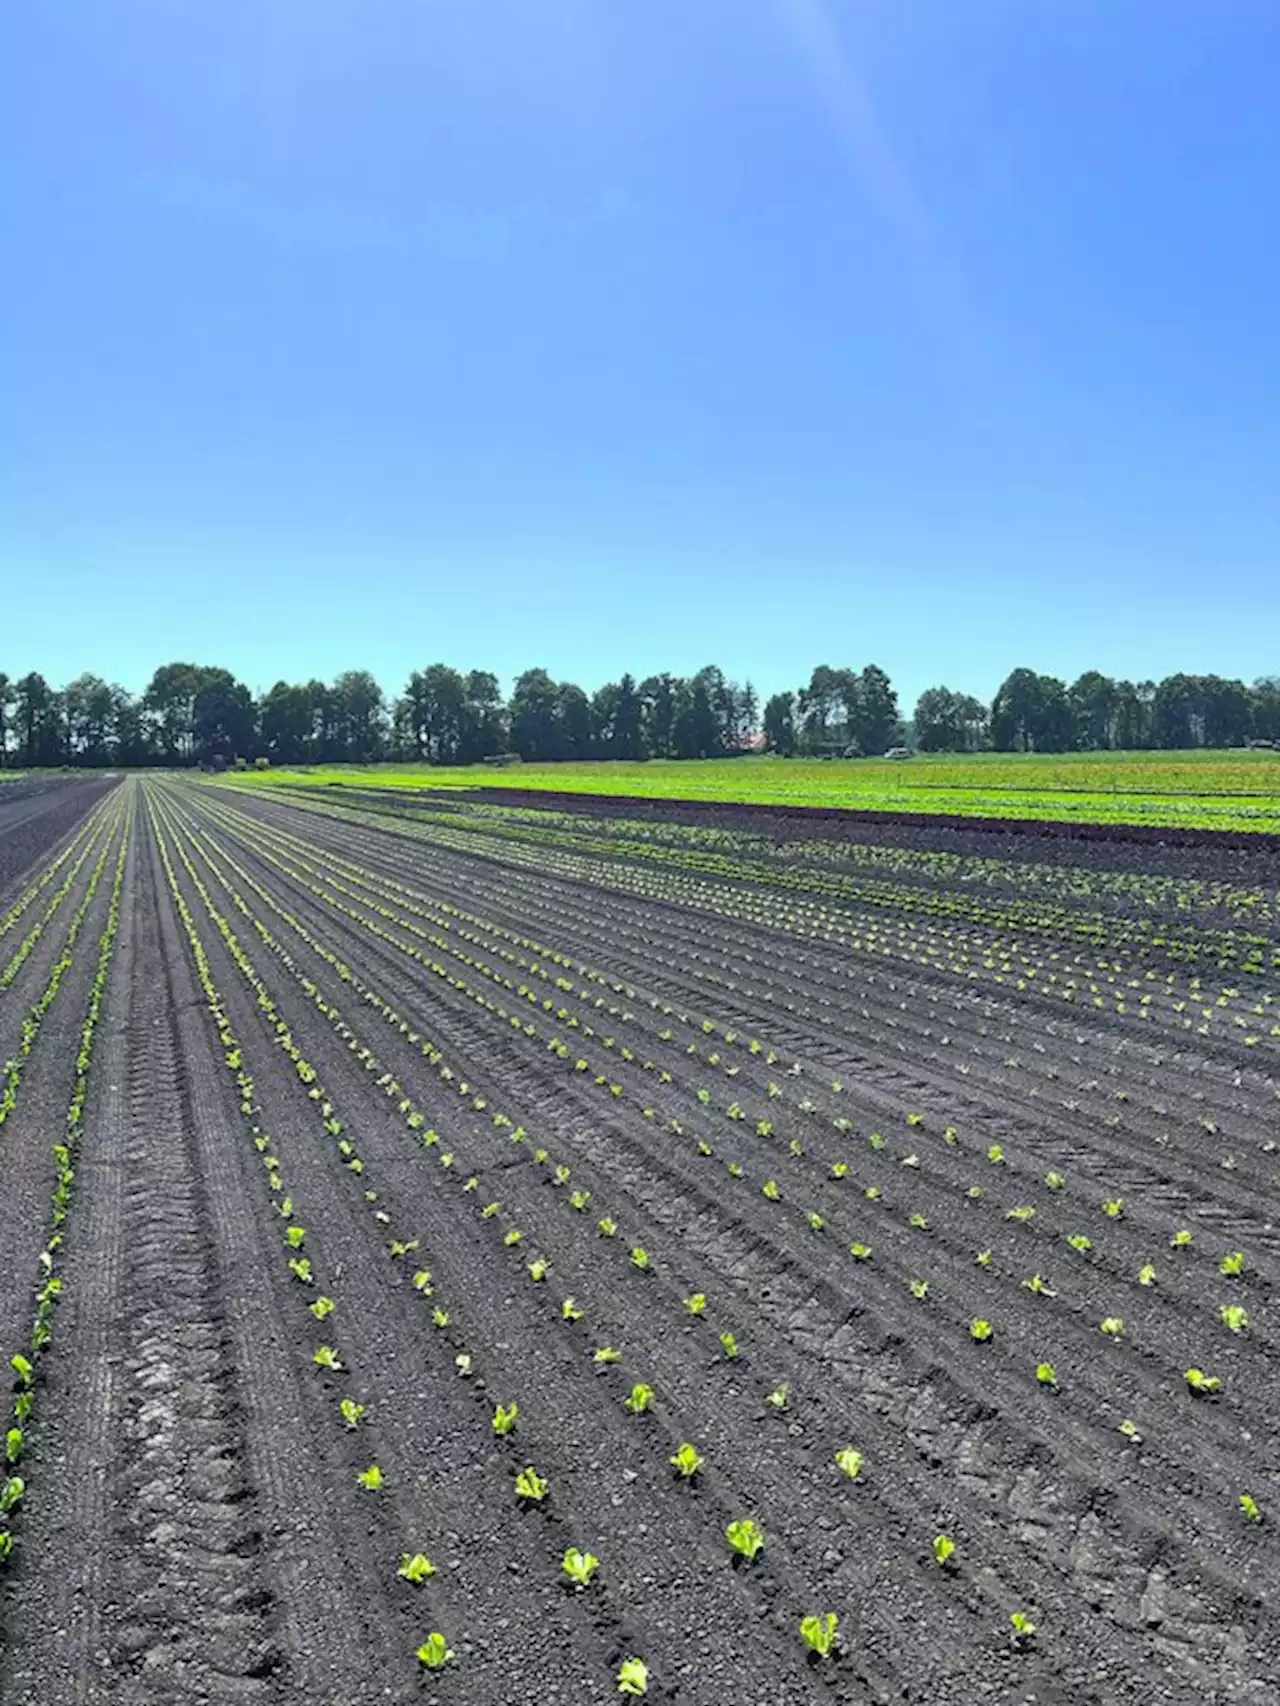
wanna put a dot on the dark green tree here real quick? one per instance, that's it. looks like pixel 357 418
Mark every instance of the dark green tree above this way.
pixel 780 723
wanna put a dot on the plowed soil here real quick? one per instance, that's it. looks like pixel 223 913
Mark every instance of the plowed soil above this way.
pixel 460 1095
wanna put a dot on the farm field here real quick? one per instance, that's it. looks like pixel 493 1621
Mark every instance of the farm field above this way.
pixel 457 1252
pixel 1237 791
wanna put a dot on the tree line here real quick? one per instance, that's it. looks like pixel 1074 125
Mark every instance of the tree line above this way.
pixel 194 714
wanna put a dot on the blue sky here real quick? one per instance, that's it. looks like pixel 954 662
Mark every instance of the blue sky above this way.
pixel 641 333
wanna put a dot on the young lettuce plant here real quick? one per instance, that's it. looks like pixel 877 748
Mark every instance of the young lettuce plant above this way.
pixel 729 1345
pixel 633 1677
pixel 504 1419
pixel 579 1567
pixel 1046 1375
pixel 371 1479
pixel 435 1652
pixel 696 1304
pixel 849 1461
pixel 779 1396
pixel 569 1310
pixel 943 1551
pixel 1203 1385
pixel 607 1354
pixel 1024 1629
pixel 530 1486
pixel 327 1357
pixel 1250 1508
pixel 415 1567
pixel 746 1538
pixel 818 1632
pixel 322 1307
pixel 1232 1264
pixel 686 1461
pixel 1234 1317
pixel 638 1399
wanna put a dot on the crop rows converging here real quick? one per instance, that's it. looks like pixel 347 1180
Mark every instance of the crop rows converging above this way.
pixel 637 1258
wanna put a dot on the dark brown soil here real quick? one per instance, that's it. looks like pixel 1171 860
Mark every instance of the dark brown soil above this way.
pixel 680 1018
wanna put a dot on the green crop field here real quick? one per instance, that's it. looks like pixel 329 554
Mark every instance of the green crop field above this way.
pixel 1198 789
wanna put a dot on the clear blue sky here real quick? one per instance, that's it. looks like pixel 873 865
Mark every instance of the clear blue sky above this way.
pixel 641 333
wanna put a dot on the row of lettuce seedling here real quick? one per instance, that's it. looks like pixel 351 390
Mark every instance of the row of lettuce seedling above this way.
pixel 25 1364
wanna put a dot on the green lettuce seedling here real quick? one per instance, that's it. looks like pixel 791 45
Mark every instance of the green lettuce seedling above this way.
pixel 746 1538
pixel 686 1462
pixel 638 1399
pixel 1234 1317
pixel 860 1252
pixel 504 1418
pixel 633 1677
pixel 818 1632
pixel 778 1397
pixel 579 1566
pixel 1045 1374
pixel 1202 1384
pixel 371 1478
pixel 327 1357
pixel 606 1354
pixel 943 1550
pixel 416 1567
pixel 435 1652
pixel 729 1345
pixel 696 1304
pixel 322 1307
pixel 531 1486
pixel 1249 1505
pixel 13 1446
pixel 569 1310
pixel 1023 1628
pixel 1232 1264
pixel 980 1330
pixel 849 1461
